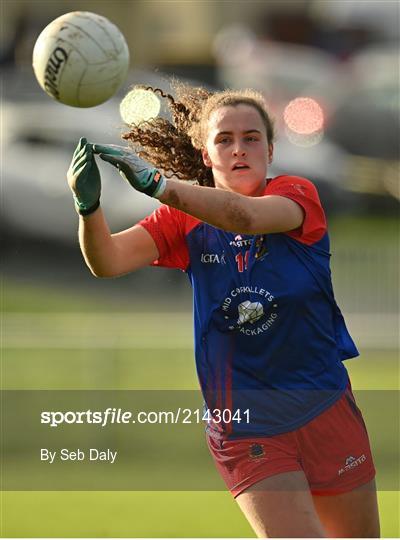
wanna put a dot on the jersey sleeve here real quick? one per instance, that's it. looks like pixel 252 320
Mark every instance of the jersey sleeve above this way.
pixel 304 193
pixel 166 225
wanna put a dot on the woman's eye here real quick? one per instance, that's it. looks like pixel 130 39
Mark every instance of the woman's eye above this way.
pixel 225 140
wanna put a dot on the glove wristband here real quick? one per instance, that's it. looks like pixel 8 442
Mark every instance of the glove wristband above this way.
pixel 86 211
pixel 156 184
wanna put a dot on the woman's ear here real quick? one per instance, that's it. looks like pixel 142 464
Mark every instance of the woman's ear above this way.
pixel 206 158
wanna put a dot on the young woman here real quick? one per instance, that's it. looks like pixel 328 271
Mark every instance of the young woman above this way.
pixel 269 338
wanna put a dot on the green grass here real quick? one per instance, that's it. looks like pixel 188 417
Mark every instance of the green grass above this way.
pixel 374 370
pixel 358 231
pixel 123 514
pixel 142 514
pixel 129 369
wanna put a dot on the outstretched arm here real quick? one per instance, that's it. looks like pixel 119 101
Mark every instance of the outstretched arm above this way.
pixel 223 209
pixel 234 212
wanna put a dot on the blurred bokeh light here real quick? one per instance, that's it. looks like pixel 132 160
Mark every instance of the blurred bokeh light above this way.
pixel 304 116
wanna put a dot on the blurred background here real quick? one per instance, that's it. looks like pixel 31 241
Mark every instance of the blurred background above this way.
pixel 330 75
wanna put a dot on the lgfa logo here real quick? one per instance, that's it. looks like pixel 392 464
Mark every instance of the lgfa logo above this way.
pixel 213 258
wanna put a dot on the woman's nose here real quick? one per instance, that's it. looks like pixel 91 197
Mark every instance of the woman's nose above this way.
pixel 238 151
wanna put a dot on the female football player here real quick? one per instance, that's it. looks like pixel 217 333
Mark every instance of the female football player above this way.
pixel 270 340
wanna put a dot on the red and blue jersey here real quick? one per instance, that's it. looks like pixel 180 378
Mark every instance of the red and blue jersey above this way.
pixel 269 336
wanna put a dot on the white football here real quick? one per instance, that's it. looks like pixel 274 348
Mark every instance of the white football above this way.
pixel 81 59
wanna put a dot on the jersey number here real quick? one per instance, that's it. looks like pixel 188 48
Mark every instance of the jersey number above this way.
pixel 242 261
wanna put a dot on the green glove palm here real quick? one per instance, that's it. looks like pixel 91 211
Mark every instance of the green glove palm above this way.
pixel 84 179
pixel 133 169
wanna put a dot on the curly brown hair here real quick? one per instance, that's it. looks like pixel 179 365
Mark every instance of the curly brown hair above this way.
pixel 175 146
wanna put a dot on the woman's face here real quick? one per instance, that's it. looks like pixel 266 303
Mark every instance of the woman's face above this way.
pixel 237 149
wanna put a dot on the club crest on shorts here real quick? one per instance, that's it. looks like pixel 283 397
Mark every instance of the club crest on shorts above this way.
pixel 256 451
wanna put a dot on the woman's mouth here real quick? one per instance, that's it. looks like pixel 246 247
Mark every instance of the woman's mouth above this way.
pixel 240 166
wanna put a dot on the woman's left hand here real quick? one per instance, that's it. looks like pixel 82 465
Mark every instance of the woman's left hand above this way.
pixel 133 169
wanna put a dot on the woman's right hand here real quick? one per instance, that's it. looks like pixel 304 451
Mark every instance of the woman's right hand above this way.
pixel 84 179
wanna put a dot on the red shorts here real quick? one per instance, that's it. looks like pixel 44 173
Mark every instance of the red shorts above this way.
pixel 332 450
